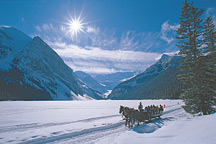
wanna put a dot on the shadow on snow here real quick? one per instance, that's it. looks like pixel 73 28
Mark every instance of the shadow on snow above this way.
pixel 151 126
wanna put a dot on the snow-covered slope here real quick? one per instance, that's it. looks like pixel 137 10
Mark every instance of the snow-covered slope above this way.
pixel 33 64
pixel 112 80
pixel 91 82
pixel 156 82
pixel 81 122
pixel 88 90
pixel 12 41
pixel 41 64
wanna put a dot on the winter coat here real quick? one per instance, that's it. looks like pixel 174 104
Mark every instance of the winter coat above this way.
pixel 140 107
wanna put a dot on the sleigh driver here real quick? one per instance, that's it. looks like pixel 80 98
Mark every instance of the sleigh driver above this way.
pixel 140 107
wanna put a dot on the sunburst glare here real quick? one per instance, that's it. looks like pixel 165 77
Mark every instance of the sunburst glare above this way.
pixel 75 26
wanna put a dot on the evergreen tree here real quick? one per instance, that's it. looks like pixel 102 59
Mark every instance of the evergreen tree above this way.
pixel 190 45
pixel 209 62
pixel 209 37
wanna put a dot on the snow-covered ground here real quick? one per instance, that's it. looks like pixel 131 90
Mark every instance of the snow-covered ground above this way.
pixel 100 122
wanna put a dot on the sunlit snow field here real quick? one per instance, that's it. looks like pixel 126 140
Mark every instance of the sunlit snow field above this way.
pixel 99 122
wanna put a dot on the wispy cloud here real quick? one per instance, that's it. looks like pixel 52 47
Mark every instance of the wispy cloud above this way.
pixel 103 38
pixel 168 31
pixel 97 60
pixel 96 53
pixel 128 41
pixel 101 50
pixel 95 30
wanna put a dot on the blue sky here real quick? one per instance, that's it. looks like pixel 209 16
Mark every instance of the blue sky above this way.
pixel 118 35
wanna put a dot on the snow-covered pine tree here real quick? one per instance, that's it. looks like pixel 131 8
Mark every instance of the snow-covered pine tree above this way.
pixel 209 62
pixel 190 44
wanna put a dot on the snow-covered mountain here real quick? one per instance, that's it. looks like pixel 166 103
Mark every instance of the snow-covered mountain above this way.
pixel 91 82
pixel 31 70
pixel 112 80
pixel 156 82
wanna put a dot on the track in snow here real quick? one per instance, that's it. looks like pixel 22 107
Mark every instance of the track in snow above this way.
pixel 82 136
pixel 25 127
pixel 91 135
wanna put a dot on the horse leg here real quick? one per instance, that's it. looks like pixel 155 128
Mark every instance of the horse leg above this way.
pixel 126 122
pixel 129 122
pixel 132 122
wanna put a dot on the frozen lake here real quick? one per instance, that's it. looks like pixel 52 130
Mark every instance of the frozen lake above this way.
pixel 97 122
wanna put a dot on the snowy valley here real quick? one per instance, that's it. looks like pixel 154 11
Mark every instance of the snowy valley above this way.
pixel 107 72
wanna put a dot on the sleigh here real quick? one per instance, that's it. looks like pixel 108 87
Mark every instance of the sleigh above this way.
pixel 131 115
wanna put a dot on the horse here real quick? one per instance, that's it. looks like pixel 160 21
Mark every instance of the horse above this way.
pixel 127 113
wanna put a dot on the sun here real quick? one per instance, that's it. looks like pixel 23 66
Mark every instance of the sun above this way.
pixel 75 26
